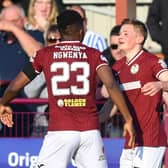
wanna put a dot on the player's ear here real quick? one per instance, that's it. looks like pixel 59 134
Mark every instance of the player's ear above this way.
pixel 81 33
pixel 140 39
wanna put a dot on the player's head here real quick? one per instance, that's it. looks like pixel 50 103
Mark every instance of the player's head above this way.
pixel 82 13
pixel 70 25
pixel 79 9
pixel 139 27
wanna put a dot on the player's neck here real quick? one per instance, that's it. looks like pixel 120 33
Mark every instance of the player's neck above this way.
pixel 71 38
pixel 131 53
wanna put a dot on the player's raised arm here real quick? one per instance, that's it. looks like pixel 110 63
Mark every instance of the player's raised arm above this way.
pixel 106 76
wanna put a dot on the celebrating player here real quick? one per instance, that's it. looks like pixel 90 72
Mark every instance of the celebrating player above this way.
pixel 142 77
pixel 70 70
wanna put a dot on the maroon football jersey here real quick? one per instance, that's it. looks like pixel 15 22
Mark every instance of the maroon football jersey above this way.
pixel 132 75
pixel 70 71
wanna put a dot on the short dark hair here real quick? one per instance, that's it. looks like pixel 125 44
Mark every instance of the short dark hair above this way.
pixel 115 30
pixel 69 18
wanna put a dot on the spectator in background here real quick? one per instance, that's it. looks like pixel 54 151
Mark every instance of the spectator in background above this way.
pixel 16 46
pixel 157 22
pixel 91 38
pixel 52 35
pixel 111 122
pixel 41 14
pixel 15 42
pixel 37 88
pixel 112 52
pixel 6 3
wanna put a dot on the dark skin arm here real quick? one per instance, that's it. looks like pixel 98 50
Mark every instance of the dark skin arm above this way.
pixel 106 76
pixel 10 93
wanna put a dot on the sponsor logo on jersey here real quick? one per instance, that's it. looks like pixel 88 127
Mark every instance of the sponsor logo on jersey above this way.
pixel 60 102
pixel 71 102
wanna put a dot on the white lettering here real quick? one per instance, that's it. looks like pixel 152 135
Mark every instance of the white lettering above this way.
pixel 69 54
pixel 26 160
pixel 13 159
pixel 72 48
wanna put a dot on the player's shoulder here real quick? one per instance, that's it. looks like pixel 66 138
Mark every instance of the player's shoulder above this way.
pixel 152 59
pixel 149 55
pixel 41 53
pixel 46 49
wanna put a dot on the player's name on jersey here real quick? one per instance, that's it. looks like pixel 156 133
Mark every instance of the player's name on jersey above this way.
pixel 71 102
pixel 69 54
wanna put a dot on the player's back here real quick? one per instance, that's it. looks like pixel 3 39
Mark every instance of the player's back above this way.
pixel 70 70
